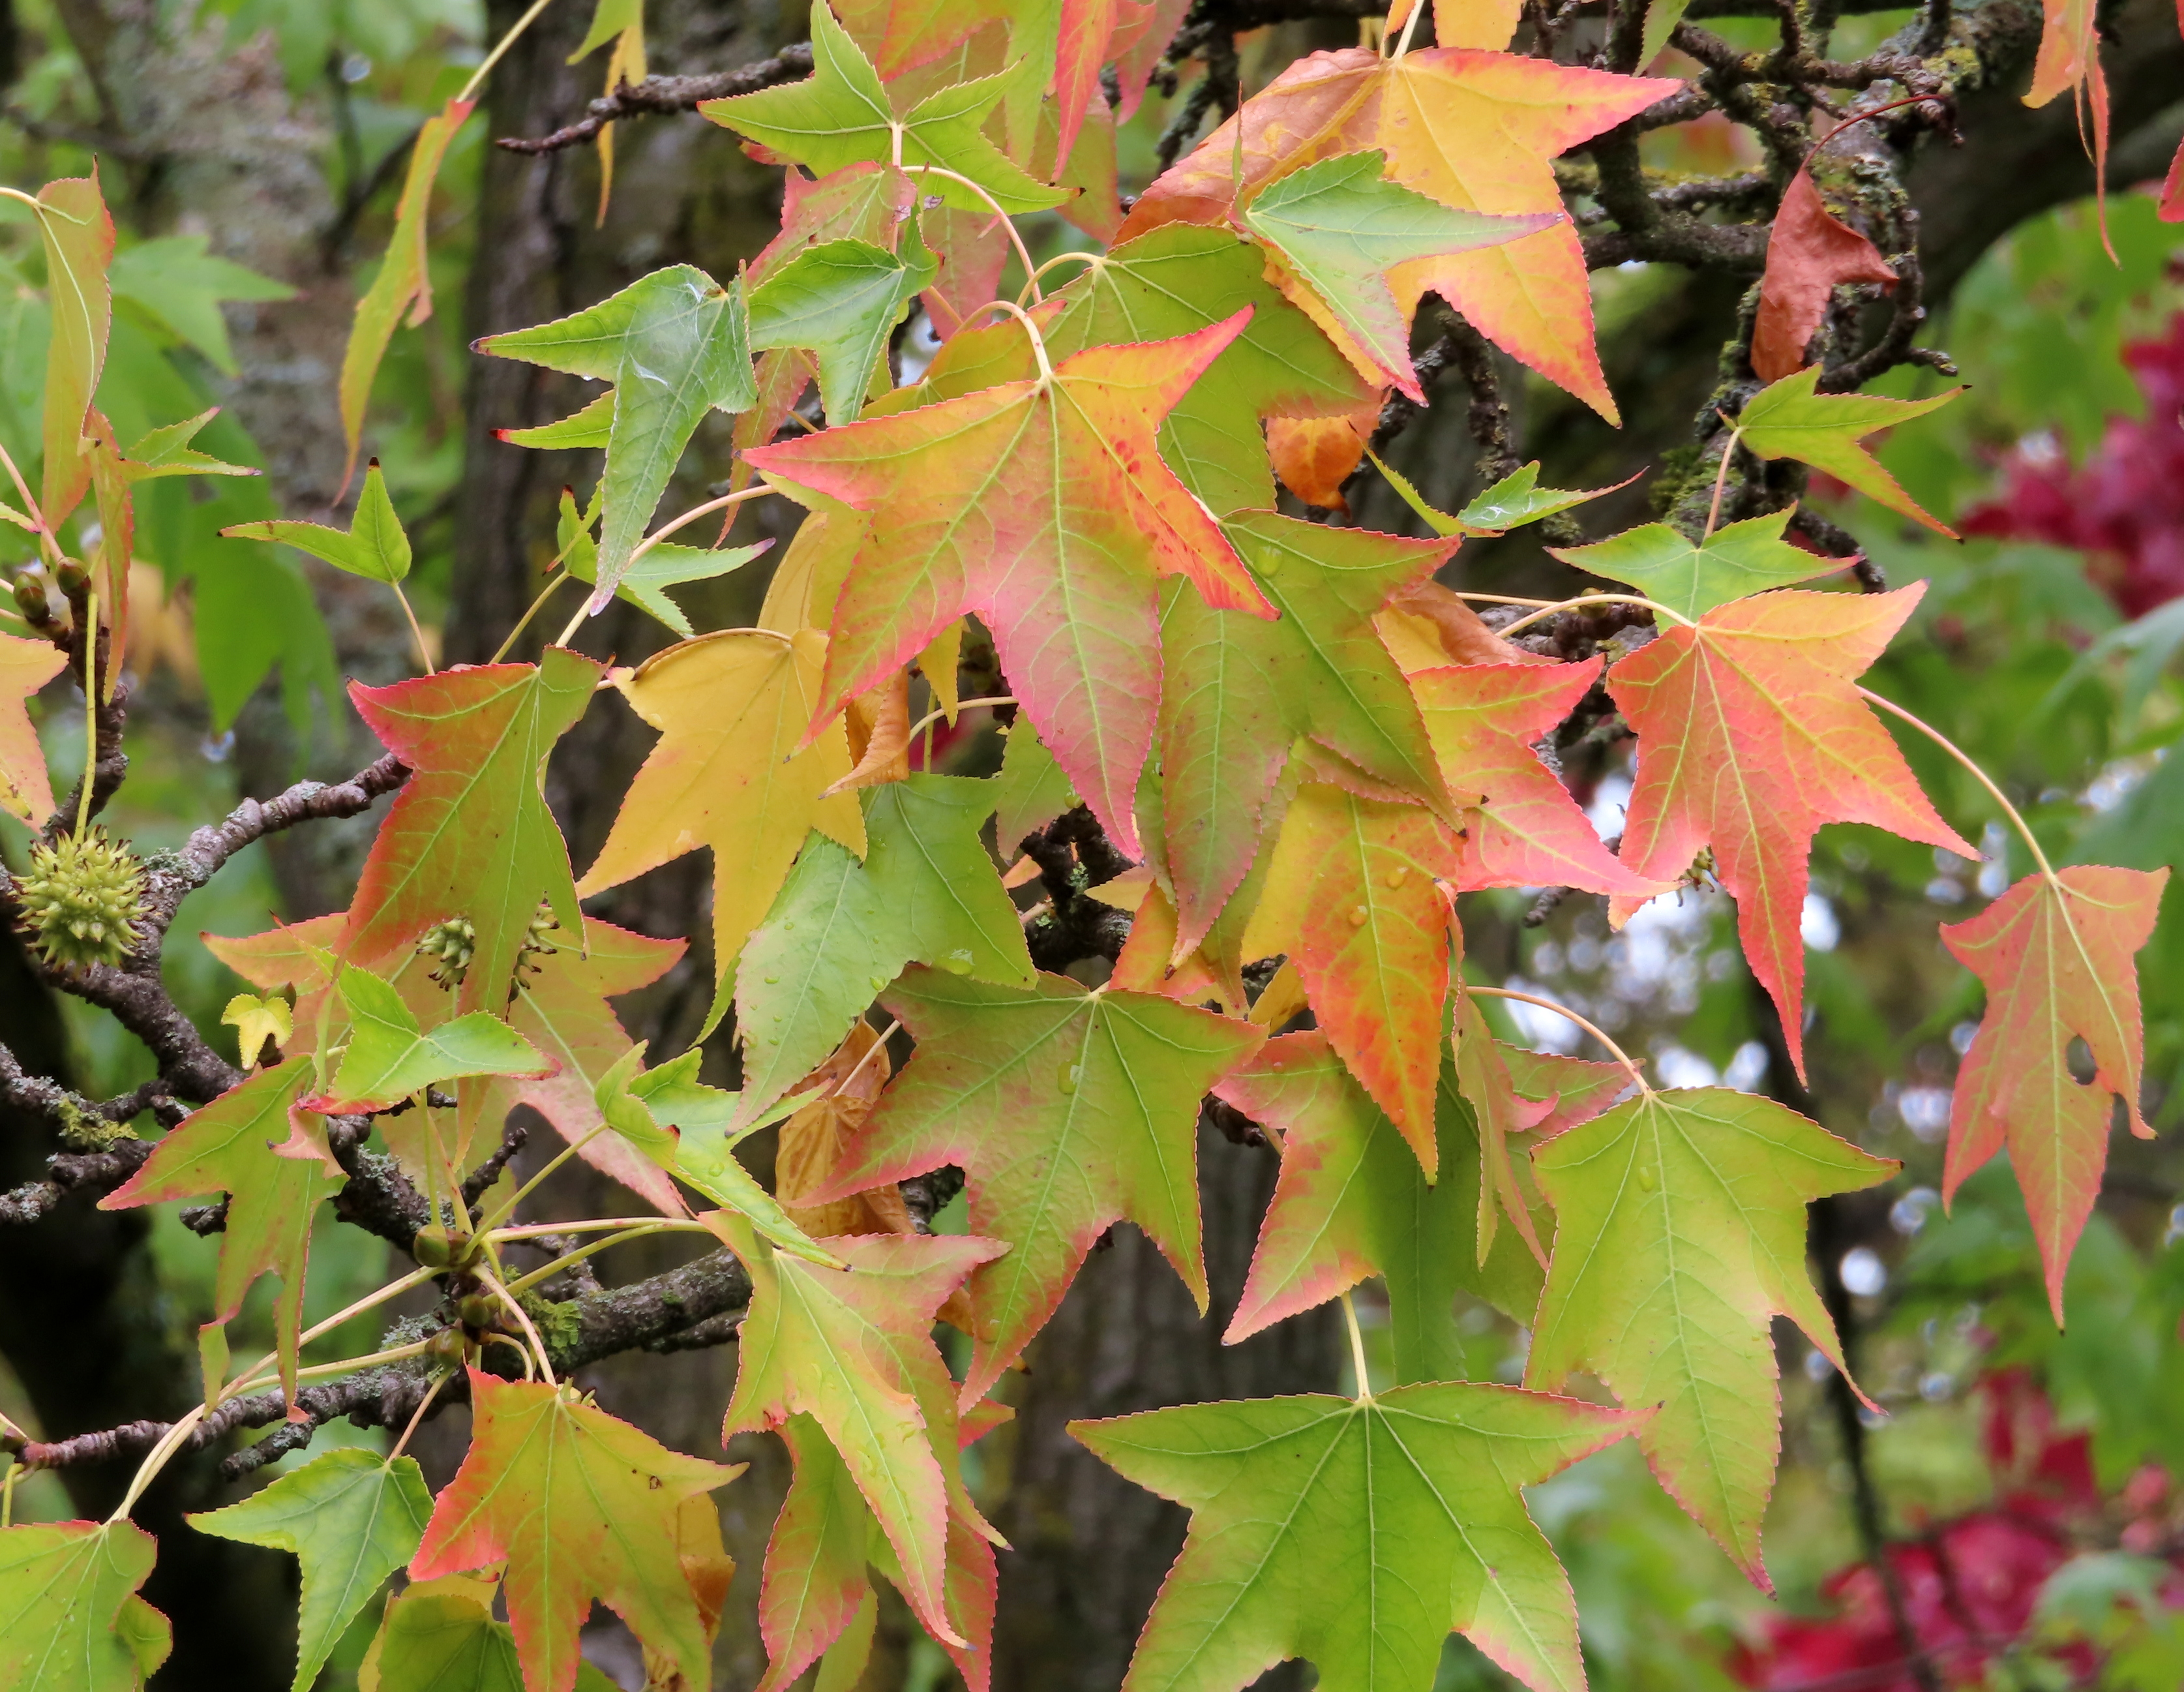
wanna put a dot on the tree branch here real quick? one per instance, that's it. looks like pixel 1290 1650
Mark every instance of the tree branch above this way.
pixel 660 96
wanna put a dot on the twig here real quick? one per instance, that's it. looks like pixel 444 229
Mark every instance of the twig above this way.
pixel 661 96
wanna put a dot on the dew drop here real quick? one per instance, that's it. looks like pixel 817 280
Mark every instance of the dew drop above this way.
pixel 878 983
pixel 772 980
pixel 1270 563
pixel 1398 875
pixel 1066 1079
pixel 958 962
pixel 1357 914
pixel 1647 1178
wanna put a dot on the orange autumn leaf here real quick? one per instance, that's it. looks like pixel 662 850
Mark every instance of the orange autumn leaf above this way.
pixel 1314 456
pixel 1474 130
pixel 1810 254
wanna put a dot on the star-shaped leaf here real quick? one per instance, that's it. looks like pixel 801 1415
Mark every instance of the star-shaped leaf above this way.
pixel 933 872
pixel 1692 577
pixel 1240 689
pixel 1515 500
pixel 644 582
pixel 2056 957
pixel 674 345
pixel 1473 130
pixel 842 115
pixel 256 1144
pixel 26 791
pixel 1350 896
pixel 69 1608
pixel 853 1348
pixel 375 545
pixel 1754 735
pixel 1790 419
pixel 1519 827
pixel 726 774
pixel 258 1024
pixel 391 1057
pixel 439 1636
pixel 351 1518
pixel 1358 1534
pixel 1679 1233
pixel 1351 1201
pixel 579 1505
pixel 1068 1111
pixel 469 834
pixel 1340 226
pixel 1044 507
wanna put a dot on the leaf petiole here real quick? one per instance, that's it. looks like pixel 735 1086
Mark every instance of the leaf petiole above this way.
pixel 1022 316
pixel 932 717
pixel 1548 611
pixel 1357 1349
pixel 569 631
pixel 90 711
pixel 1609 1046
pixel 1015 239
pixel 529 1330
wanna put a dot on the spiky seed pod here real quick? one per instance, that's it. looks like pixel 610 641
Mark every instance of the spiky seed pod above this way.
pixel 454 942
pixel 82 899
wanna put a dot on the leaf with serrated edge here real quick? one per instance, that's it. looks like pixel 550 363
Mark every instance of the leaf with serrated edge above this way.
pixel 390 1058
pixel 1044 507
pixel 1475 131
pixel 69 1608
pixel 1067 1111
pixel 1240 690
pixel 726 774
pixel 77 233
pixel 1754 735
pixel 853 1348
pixel 374 545
pixel 1692 577
pixel 933 874
pixel 1357 1535
pixel 26 791
pixel 674 345
pixel 580 1505
pixel 1349 895
pixel 1680 1222
pixel 1340 227
pixel 254 1143
pixel 439 1636
pixel 1519 825
pixel 1350 1201
pixel 1790 419
pixel 2056 957
pixel 351 1518
pixel 841 300
pixel 469 834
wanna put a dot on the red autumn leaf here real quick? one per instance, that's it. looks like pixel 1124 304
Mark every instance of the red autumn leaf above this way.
pixel 1520 826
pixel 1810 254
pixel 1044 507
pixel 579 1505
pixel 1752 735
pixel 470 835
pixel 2056 957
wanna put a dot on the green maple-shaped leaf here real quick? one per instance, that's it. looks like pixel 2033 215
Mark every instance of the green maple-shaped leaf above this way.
pixel 936 880
pixel 645 582
pixel 351 1518
pixel 841 300
pixel 375 545
pixel 1341 225
pixel 389 1058
pixel 1516 500
pixel 69 1615
pixel 579 1505
pixel 1179 279
pixel 842 115
pixel 852 1348
pixel 469 834
pixel 1791 419
pixel 179 281
pixel 1240 690
pixel 674 345
pixel 256 1144
pixel 1044 507
pixel 1358 1534
pixel 1692 577
pixel 1679 1233
pixel 1067 1111
pixel 1351 1202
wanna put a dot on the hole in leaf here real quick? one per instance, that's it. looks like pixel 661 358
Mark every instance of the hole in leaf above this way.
pixel 2080 1057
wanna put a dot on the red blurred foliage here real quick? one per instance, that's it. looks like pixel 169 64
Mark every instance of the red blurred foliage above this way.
pixel 2124 507
pixel 1969 1585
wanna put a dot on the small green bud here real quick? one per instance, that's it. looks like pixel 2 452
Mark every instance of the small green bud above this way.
pixel 72 577
pixel 480 1312
pixel 442 1248
pixel 31 598
pixel 450 1347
